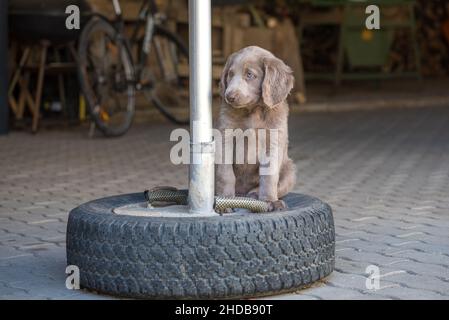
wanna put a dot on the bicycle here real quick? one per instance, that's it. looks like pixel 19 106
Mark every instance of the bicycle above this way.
pixel 110 78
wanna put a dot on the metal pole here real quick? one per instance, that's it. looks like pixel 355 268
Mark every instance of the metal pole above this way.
pixel 201 175
pixel 4 118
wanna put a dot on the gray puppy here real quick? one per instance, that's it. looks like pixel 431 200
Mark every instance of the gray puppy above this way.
pixel 254 87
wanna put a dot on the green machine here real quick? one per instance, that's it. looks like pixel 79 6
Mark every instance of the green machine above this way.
pixel 359 47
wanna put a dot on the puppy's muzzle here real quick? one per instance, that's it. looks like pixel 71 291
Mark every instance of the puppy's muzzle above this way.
pixel 232 97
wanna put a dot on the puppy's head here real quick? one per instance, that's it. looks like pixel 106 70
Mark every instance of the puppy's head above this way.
pixel 255 76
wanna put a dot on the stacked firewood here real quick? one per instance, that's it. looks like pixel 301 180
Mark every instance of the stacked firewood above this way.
pixel 434 48
pixel 319 47
pixel 320 43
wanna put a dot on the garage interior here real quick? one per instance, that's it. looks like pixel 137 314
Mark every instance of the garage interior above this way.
pixel 369 119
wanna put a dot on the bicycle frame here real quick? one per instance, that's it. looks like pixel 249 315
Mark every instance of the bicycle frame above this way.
pixel 153 46
pixel 147 15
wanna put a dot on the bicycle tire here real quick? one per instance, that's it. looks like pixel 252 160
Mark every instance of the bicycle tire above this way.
pixel 100 24
pixel 152 95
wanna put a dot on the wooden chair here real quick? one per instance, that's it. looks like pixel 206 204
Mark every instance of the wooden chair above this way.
pixel 22 79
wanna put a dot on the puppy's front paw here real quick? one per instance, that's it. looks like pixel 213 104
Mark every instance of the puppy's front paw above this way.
pixel 278 205
pixel 224 211
pixel 253 195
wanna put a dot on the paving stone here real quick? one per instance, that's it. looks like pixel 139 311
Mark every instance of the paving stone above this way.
pixel 329 292
pixel 348 281
pixel 429 269
pixel 366 258
pixel 385 174
pixel 398 292
pixel 292 296
pixel 424 257
pixel 420 281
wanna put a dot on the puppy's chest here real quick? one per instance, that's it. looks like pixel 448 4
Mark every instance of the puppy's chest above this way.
pixel 255 120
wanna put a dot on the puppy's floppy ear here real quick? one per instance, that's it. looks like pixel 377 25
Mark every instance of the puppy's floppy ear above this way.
pixel 278 82
pixel 224 75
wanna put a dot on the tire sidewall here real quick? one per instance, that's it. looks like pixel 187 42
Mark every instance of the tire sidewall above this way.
pixel 218 257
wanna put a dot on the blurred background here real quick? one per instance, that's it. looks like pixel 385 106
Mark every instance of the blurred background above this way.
pixel 368 126
pixel 339 65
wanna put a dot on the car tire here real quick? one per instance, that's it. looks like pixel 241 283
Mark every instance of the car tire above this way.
pixel 229 256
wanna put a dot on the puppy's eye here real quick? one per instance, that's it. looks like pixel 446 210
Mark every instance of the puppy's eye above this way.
pixel 230 74
pixel 250 75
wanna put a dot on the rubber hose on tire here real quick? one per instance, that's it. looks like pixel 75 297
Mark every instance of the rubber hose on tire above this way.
pixel 180 197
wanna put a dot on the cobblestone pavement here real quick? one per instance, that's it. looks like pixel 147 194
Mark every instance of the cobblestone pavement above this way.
pixel 385 173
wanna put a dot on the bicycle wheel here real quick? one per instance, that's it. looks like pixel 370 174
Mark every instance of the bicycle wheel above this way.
pixel 107 78
pixel 165 77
